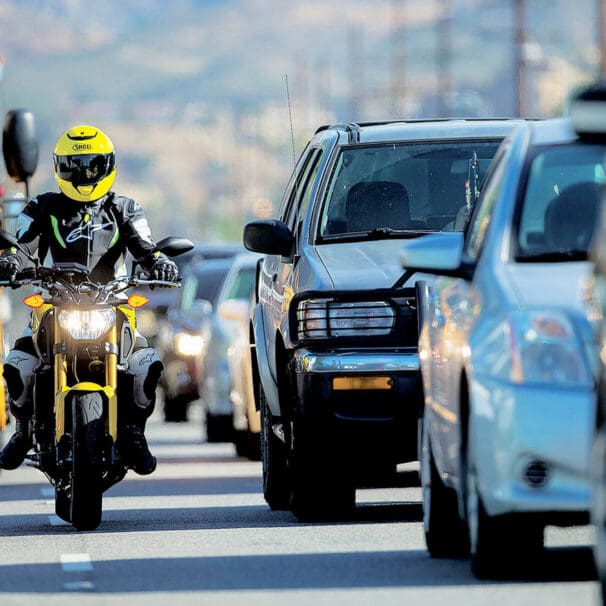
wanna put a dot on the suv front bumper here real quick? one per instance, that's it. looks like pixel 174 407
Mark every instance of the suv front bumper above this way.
pixel 366 403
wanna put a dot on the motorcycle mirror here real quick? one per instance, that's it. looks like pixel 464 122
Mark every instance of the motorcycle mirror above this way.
pixel 174 246
pixel 19 144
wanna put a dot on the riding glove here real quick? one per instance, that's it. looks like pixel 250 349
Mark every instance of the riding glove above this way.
pixel 165 269
pixel 9 266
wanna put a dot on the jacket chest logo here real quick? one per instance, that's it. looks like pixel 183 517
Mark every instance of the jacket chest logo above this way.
pixel 85 231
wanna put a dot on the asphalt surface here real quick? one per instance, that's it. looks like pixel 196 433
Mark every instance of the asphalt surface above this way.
pixel 198 531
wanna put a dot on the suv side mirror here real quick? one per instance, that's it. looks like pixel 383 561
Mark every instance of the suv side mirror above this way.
pixel 268 236
pixel 19 144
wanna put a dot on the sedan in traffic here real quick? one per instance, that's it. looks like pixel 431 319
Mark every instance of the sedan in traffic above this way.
pixel 506 353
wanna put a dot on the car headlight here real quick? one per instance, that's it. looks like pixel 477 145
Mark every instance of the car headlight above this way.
pixel 324 318
pixel 539 347
pixel 189 345
pixel 86 324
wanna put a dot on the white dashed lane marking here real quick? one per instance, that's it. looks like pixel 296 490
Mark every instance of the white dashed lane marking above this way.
pixel 78 569
pixel 76 562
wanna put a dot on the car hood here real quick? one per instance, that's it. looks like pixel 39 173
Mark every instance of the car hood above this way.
pixel 362 265
pixel 550 284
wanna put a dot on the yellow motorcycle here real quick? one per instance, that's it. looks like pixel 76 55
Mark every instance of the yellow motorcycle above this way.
pixel 83 332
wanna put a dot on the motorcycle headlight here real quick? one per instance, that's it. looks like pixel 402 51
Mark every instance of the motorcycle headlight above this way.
pixel 86 324
pixel 189 345
pixel 538 347
pixel 324 318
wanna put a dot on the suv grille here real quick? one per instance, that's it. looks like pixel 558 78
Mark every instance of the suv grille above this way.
pixel 374 318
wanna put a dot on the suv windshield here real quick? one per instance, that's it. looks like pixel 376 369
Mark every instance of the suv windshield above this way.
pixel 400 188
pixel 561 202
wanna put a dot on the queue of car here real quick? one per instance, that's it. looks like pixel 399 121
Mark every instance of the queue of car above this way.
pixel 429 290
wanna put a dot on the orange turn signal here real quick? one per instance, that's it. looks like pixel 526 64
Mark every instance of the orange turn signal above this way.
pixel 34 301
pixel 136 301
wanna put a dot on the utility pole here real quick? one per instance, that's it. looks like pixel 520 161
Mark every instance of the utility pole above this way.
pixel 356 71
pixel 519 53
pixel 443 58
pixel 398 59
pixel 602 36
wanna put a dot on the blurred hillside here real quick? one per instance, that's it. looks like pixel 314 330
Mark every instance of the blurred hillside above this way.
pixel 193 91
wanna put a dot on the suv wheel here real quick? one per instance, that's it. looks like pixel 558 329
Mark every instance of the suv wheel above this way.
pixel 276 480
pixel 320 490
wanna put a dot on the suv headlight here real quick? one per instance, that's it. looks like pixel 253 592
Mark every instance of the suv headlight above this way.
pixel 86 324
pixel 325 318
pixel 538 347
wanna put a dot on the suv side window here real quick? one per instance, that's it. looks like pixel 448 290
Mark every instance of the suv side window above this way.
pixel 295 187
pixel 303 189
pixel 480 219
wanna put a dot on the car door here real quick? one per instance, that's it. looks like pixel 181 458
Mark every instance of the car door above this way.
pixel 455 306
pixel 276 272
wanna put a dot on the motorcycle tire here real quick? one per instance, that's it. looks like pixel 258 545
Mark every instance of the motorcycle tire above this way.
pixel 86 472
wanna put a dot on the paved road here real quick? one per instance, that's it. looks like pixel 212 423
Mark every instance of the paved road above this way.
pixel 199 532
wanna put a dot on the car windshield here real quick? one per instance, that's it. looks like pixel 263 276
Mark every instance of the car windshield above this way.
pixel 560 203
pixel 203 285
pixel 404 188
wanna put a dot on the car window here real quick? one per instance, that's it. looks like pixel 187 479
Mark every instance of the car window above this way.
pixel 482 213
pixel 561 199
pixel 403 186
pixel 203 285
pixel 242 284
pixel 303 188
pixel 296 186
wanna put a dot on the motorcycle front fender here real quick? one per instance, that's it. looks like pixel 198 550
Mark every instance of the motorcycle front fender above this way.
pixel 109 395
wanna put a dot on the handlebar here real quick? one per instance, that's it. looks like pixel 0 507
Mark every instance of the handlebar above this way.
pixel 59 282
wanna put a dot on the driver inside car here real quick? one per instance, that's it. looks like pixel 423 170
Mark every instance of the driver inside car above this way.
pixel 86 223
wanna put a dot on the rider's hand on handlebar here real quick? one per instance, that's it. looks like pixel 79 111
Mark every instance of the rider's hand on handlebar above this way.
pixel 9 266
pixel 165 269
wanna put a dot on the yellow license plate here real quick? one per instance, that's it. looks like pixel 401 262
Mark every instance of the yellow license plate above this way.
pixel 351 383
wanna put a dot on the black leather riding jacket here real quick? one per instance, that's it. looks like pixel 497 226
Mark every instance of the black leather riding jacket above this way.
pixel 95 234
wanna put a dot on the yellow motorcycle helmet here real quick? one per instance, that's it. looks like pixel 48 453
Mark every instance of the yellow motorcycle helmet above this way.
pixel 84 162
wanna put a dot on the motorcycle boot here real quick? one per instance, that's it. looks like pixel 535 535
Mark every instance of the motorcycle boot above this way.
pixel 13 454
pixel 19 375
pixel 135 451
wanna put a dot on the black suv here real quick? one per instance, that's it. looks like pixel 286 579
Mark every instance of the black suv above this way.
pixel 335 328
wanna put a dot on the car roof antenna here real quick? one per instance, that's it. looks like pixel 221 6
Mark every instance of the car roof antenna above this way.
pixel 292 130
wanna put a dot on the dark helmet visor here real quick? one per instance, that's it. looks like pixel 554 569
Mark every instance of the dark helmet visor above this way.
pixel 84 169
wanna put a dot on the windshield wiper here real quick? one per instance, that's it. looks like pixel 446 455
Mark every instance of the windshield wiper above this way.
pixel 572 254
pixel 381 232
pixel 376 234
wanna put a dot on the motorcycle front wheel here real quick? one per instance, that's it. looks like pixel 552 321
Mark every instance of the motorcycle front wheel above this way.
pixel 86 469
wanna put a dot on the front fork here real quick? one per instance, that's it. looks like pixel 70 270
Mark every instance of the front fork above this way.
pixel 62 389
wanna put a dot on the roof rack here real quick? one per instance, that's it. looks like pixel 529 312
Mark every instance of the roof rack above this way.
pixel 351 128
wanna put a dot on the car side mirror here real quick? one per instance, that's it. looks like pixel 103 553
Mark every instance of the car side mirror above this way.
pixel 268 236
pixel 440 253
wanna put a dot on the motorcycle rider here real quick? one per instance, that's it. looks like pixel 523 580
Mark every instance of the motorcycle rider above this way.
pixel 85 223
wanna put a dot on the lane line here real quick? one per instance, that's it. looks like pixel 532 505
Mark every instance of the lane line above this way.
pixel 79 586
pixel 76 562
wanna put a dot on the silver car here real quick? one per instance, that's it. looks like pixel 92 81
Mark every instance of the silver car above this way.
pixel 506 353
